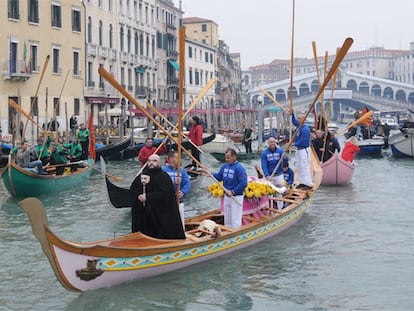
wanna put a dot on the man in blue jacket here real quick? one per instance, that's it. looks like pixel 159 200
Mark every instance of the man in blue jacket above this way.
pixel 272 169
pixel 234 178
pixel 302 143
pixel 184 181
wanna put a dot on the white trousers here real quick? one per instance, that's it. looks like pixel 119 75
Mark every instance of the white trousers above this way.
pixel 303 166
pixel 181 210
pixel 233 210
pixel 278 182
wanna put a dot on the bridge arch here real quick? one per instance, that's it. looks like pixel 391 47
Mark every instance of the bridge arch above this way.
pixel 411 97
pixel 280 95
pixel 294 92
pixel 314 86
pixel 389 92
pixel 364 87
pixel 376 90
pixel 351 85
pixel 400 95
pixel 303 89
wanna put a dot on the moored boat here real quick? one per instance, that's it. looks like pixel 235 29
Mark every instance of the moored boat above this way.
pixel 337 171
pixel 371 147
pixel 109 151
pixel 241 156
pixel 85 266
pixel 21 182
pixel 402 144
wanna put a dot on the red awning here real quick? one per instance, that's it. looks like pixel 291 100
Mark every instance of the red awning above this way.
pixel 102 100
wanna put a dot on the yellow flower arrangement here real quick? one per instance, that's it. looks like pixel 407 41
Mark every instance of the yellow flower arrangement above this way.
pixel 254 189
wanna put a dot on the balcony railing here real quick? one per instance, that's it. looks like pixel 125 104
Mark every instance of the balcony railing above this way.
pixel 141 91
pixel 112 54
pixel 172 81
pixel 103 52
pixel 91 49
pixel 172 54
pixel 16 70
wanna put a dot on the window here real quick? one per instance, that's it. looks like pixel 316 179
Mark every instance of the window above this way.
pixel 190 52
pixel 147 46
pixel 204 27
pixel 101 81
pixel 159 40
pixel 76 104
pixel 56 61
pixel 197 78
pixel 153 48
pixel 122 76
pixel 100 3
pixel 89 29
pixel 90 75
pixel 110 36
pixel 109 5
pixel 56 15
pixel 141 44
pixel 136 43
pixel 206 57
pixel 211 58
pixel 76 20
pixel 33 11
pixel 121 38
pixel 129 40
pixel 190 76
pixel 56 106
pixel 33 58
pixel 13 9
pixel 35 106
pixel 76 71
pixel 100 30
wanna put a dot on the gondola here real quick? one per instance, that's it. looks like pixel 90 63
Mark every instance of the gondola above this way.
pixel 21 182
pixel 109 151
pixel 85 266
pixel 337 171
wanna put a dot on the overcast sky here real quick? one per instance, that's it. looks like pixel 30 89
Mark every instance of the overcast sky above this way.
pixel 261 30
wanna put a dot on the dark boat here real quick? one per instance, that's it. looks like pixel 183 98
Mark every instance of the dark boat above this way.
pixel 109 151
pixel 4 154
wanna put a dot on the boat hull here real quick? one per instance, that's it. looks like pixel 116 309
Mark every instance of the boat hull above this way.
pixel 371 146
pixel 402 144
pixel 337 171
pixel 22 183
pixel 109 151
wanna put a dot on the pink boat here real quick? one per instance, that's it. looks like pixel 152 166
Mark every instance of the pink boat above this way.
pixel 337 171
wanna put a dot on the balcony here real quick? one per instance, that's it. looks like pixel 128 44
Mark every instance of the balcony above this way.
pixel 124 57
pixel 141 91
pixel 91 84
pixel 103 52
pixel 16 70
pixel 112 54
pixel 130 88
pixel 173 54
pixel 172 82
pixel 91 49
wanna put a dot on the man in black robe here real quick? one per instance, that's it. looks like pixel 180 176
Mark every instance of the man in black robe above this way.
pixel 155 211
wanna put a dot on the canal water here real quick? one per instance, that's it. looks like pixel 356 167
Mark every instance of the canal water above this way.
pixel 352 250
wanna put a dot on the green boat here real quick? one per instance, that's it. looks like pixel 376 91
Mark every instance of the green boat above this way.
pixel 241 156
pixel 20 182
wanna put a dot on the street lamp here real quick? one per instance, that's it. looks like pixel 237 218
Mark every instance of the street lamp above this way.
pixel 259 101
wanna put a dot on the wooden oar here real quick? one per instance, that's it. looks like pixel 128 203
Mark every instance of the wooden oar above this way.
pixel 67 164
pixel 360 120
pixel 20 109
pixel 292 56
pixel 108 77
pixel 36 93
pixel 339 57
pixel 118 179
pixel 315 56
pixel 174 127
pixel 273 99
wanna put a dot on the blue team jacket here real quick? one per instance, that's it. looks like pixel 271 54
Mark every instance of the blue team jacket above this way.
pixel 234 177
pixel 269 160
pixel 185 180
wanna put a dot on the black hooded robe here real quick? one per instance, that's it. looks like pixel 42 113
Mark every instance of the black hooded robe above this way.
pixel 159 217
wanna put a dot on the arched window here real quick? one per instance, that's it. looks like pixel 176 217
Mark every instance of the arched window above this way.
pixel 121 38
pixel 110 36
pixel 147 47
pixel 100 33
pixel 136 45
pixel 129 40
pixel 89 29
pixel 141 44
pixel 153 48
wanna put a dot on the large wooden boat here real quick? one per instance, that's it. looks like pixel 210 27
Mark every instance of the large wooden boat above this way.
pixel 337 171
pixel 109 151
pixel 20 182
pixel 85 266
pixel 402 144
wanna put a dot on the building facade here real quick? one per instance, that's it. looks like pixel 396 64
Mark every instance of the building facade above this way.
pixel 41 37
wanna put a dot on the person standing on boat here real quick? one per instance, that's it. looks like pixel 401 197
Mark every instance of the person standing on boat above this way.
pixel 83 136
pixel 302 156
pixel 288 175
pixel 184 181
pixel 234 178
pixel 351 147
pixel 155 209
pixel 272 169
pixel 248 138
pixel 73 124
pixel 147 150
pixel 196 136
